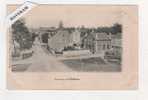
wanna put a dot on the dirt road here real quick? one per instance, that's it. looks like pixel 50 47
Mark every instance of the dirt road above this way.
pixel 41 61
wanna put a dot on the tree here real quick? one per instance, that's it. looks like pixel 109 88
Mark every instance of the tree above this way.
pixel 117 28
pixel 21 34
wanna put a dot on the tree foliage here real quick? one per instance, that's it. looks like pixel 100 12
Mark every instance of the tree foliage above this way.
pixel 115 29
pixel 21 34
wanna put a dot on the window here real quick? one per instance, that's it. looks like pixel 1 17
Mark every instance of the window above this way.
pixel 108 47
pixel 104 47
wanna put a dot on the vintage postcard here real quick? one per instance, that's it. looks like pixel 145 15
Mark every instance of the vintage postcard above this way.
pixel 73 46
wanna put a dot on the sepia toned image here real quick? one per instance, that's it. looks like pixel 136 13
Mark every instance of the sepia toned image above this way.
pixel 66 41
pixel 71 42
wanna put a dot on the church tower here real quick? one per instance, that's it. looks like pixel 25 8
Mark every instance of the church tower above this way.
pixel 60 25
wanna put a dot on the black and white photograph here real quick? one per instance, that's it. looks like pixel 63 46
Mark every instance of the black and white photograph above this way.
pixel 67 38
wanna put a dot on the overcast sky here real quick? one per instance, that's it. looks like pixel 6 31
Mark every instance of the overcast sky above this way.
pixel 72 15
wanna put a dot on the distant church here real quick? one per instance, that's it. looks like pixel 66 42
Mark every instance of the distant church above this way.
pixel 60 25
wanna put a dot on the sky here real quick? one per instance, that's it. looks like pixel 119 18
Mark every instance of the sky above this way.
pixel 72 15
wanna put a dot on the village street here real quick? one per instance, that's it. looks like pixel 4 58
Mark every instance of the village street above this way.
pixel 43 61
pixel 40 61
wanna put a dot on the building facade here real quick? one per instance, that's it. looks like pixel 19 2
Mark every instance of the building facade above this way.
pixel 116 47
pixel 62 39
pixel 97 42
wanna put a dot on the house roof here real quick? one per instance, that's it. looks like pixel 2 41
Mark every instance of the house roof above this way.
pixel 101 36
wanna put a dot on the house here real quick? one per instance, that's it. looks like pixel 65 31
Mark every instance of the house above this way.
pixel 62 39
pixel 102 42
pixel 115 53
pixel 88 42
pixel 116 47
pixel 97 42
pixel 46 32
pixel 76 37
